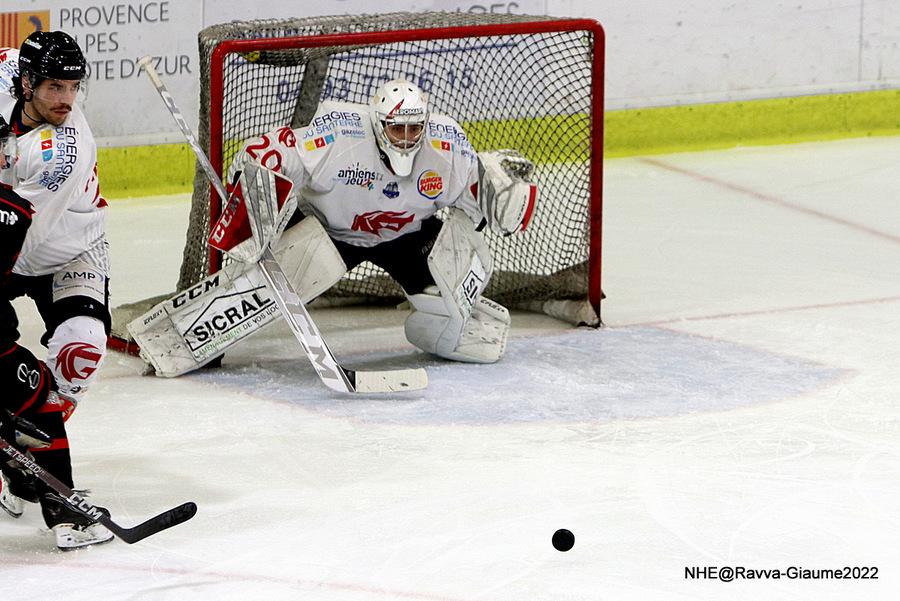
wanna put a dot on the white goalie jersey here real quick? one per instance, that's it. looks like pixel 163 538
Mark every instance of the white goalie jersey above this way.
pixel 340 178
pixel 56 170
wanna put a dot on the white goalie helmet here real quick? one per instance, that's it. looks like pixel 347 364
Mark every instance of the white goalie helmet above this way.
pixel 399 112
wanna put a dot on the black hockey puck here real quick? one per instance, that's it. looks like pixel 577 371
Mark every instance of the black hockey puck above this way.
pixel 563 540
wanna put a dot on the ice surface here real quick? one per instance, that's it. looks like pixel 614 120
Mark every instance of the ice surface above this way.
pixel 739 409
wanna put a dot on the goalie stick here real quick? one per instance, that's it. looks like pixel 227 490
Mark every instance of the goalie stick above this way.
pixel 166 519
pixel 332 374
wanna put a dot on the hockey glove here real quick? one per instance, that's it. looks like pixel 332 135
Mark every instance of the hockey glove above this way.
pixel 21 433
pixel 506 194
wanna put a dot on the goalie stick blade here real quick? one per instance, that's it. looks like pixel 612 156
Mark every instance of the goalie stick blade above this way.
pixel 332 373
pixel 163 521
pixel 400 380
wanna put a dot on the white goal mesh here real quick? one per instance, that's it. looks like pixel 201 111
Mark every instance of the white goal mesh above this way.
pixel 513 81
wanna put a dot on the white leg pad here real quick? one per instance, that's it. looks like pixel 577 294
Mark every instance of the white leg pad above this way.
pixel 430 326
pixel 480 339
pixel 452 319
pixel 309 258
pixel 197 325
pixel 460 263
pixel 74 354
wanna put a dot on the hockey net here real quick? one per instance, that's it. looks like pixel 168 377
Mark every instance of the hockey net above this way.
pixel 530 83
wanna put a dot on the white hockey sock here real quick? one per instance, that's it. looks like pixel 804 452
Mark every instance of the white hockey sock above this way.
pixel 75 352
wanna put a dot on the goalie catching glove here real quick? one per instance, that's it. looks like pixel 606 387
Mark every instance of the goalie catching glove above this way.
pixel 506 194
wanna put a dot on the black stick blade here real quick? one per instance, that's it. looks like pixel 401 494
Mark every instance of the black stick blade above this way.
pixel 165 520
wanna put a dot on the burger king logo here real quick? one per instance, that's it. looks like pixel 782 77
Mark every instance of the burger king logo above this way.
pixel 431 184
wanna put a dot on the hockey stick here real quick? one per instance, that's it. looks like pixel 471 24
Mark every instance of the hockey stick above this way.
pixel 332 374
pixel 166 519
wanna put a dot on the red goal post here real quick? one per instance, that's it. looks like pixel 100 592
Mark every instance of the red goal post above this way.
pixel 513 81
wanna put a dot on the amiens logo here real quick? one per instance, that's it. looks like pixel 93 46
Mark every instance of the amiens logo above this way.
pixel 431 184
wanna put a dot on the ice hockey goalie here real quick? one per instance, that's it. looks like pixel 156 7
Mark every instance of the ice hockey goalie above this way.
pixel 368 181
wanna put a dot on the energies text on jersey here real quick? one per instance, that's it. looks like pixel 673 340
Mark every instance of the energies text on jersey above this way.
pixel 56 169
pixel 335 165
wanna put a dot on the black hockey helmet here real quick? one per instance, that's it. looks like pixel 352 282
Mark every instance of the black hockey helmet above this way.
pixel 52 55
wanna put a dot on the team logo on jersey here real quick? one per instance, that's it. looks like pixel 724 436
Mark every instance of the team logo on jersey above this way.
pixel 442 145
pixel 78 360
pixel 375 221
pixel 431 184
pixel 286 136
pixel 46 145
pixel 391 190
pixel 320 142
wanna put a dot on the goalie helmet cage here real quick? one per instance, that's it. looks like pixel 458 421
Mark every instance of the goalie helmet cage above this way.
pixel 532 83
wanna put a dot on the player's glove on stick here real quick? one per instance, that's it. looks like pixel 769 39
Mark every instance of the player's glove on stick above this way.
pixel 23 435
